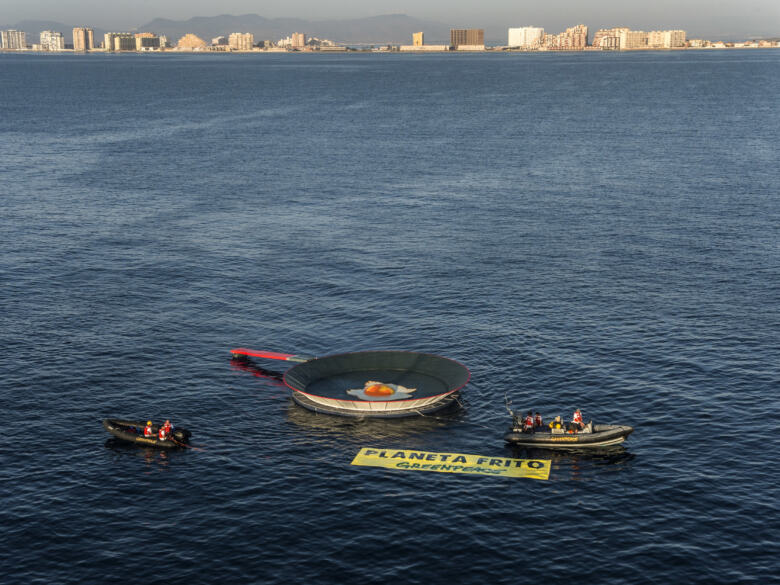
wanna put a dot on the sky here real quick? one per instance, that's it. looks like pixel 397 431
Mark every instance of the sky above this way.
pixel 700 18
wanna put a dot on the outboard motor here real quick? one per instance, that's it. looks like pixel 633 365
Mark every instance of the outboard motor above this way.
pixel 182 435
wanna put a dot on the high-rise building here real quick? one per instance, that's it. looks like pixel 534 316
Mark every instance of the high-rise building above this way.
pixel 147 42
pixel 13 39
pixel 119 41
pixel 418 39
pixel 674 38
pixel 608 38
pixel 655 39
pixel 83 39
pixel 633 39
pixel 665 39
pixel 574 38
pixel 241 41
pixel 298 40
pixel 526 37
pixel 467 36
pixel 52 41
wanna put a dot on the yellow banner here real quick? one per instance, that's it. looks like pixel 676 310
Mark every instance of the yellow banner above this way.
pixel 453 463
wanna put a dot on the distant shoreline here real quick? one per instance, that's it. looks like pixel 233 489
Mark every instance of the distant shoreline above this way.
pixel 351 50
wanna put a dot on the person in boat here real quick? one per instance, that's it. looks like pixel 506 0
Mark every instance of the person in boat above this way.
pixel 528 423
pixel 148 431
pixel 538 421
pixel 576 420
pixel 556 423
pixel 165 431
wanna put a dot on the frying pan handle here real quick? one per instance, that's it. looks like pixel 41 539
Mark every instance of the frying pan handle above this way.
pixel 271 355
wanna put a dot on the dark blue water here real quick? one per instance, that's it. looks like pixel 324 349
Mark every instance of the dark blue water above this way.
pixel 580 230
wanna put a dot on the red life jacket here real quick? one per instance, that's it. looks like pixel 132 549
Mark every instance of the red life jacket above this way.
pixel 538 420
pixel 148 432
pixel 577 417
pixel 163 434
pixel 529 422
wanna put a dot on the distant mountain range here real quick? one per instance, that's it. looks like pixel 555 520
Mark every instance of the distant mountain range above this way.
pixel 377 30
pixel 389 28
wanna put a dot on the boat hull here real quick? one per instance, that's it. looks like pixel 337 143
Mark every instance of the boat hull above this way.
pixel 132 432
pixel 602 436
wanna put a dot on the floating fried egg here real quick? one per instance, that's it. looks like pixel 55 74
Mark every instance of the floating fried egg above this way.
pixel 373 390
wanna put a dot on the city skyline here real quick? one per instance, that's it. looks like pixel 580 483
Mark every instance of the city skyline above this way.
pixel 729 18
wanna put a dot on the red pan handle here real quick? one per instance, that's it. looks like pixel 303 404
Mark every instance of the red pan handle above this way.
pixel 271 355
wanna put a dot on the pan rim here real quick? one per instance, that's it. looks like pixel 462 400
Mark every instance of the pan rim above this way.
pixel 383 402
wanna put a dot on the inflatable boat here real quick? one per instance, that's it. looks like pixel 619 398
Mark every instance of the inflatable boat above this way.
pixel 594 435
pixel 133 432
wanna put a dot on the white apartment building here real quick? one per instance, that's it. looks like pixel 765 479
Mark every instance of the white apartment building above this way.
pixel 675 38
pixel 52 41
pixel 608 38
pixel 666 39
pixel 241 41
pixel 633 39
pixel 298 40
pixel 13 39
pixel 526 37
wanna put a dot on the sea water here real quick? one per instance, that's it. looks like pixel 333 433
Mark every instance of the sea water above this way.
pixel 580 230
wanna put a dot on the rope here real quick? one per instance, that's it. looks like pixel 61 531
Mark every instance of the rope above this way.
pixel 185 445
pixel 468 422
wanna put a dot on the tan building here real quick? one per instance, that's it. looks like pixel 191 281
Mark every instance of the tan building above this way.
pixel 298 40
pixel 147 42
pixel 83 39
pixel 633 39
pixel 241 41
pixel 467 36
pixel 666 39
pixel 575 38
pixel 191 42
pixel 608 38
pixel 655 39
pixel 417 39
pixel 572 39
pixel 119 42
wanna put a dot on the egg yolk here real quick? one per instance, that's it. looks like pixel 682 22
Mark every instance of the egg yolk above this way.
pixel 379 390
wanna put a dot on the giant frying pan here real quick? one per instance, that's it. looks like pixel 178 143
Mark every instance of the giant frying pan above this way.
pixel 322 384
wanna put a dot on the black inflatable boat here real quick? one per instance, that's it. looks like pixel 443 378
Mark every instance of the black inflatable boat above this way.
pixel 133 432
pixel 594 435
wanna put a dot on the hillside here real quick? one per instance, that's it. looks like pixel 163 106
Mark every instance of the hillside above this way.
pixel 390 28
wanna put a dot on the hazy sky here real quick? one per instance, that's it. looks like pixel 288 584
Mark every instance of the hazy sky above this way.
pixel 709 19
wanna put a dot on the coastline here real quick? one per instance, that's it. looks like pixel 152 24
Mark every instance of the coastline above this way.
pixel 393 50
